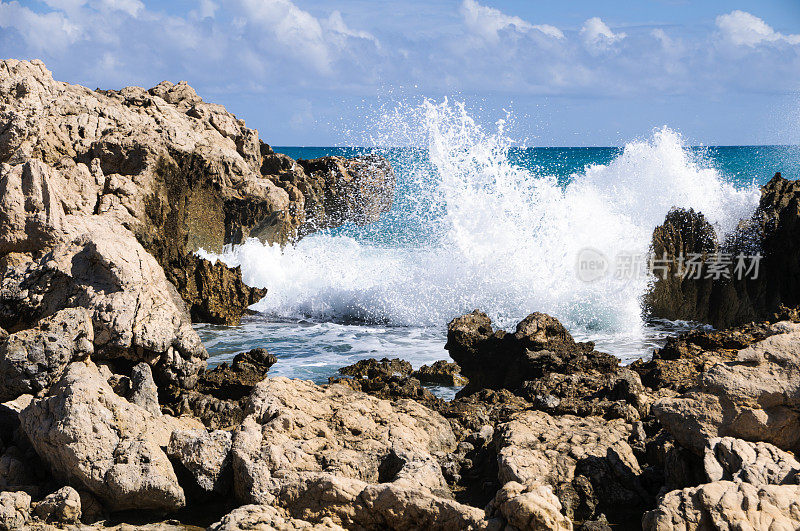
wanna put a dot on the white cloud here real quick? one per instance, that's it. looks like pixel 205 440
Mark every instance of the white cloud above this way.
pixel 46 32
pixel 294 28
pixel 487 22
pixel 207 9
pixel 336 23
pixel 744 29
pixel 130 7
pixel 597 36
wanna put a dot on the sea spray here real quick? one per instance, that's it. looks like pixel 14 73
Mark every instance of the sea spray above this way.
pixel 470 229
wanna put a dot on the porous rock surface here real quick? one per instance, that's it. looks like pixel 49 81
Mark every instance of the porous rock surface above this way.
pixel 180 173
pixel 96 439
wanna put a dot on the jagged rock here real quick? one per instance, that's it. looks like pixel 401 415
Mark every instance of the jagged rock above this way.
pixel 267 517
pixel 534 448
pixel 31 360
pixel 372 368
pixel 756 398
pixel 218 398
pixel 757 463
pixel 136 313
pixel 144 392
pixel 441 373
pixel 294 426
pixel 205 455
pixel 541 345
pixel 214 292
pixel 352 503
pixel 62 506
pixel 772 231
pixel 531 507
pixel 684 358
pixel 15 510
pixel 727 505
pixel 179 173
pixel 237 380
pixel 92 437
pixel 338 190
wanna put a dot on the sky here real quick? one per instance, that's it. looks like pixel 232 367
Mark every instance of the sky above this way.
pixel 569 72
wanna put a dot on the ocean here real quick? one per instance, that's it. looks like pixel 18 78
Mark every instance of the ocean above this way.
pixel 478 222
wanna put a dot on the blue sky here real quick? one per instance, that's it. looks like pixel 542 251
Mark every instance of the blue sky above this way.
pixel 573 72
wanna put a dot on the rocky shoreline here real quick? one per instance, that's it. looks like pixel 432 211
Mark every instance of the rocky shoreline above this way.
pixel 110 417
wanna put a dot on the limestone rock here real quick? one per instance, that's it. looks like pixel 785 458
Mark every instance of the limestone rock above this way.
pixel 92 437
pixel 535 448
pixel 62 506
pixel 98 265
pixel 352 503
pixel 757 463
pixel 206 455
pixel 31 360
pixel 532 507
pixel 756 398
pixel 14 510
pixel 214 292
pixel 144 392
pixel 727 505
pixel 267 517
pixel 295 426
pixel 180 173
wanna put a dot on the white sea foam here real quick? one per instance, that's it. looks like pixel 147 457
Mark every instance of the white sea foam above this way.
pixel 506 238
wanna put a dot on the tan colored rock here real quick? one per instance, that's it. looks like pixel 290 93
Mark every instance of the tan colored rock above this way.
pixel 206 455
pixel 757 463
pixel 14 510
pixel 296 426
pixel 63 507
pixel 31 360
pixel 352 503
pixel 587 460
pixel 535 447
pixel 267 517
pixel 727 505
pixel 92 437
pixel 756 398
pixel 136 312
pixel 532 507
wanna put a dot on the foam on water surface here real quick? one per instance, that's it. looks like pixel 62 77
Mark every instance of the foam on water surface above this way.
pixel 472 229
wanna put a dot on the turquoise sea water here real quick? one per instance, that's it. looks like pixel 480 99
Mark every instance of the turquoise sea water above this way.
pixel 477 223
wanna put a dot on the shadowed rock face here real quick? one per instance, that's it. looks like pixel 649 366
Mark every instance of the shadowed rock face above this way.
pixel 497 360
pixel 179 173
pixel 772 231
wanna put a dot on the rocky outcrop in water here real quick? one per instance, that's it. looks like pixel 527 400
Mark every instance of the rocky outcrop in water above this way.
pixel 179 173
pixel 732 299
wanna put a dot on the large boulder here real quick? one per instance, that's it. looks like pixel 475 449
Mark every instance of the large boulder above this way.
pixel 757 463
pixel 294 426
pixel 772 232
pixel 93 438
pixel 540 346
pixel 136 313
pixel 355 504
pixel 532 507
pixel 31 360
pixel 756 397
pixel 587 461
pixel 727 505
